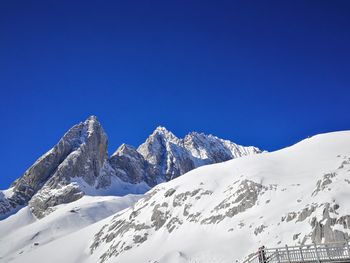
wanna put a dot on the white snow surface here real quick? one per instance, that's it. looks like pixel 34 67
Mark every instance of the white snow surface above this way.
pixel 23 234
pixel 215 213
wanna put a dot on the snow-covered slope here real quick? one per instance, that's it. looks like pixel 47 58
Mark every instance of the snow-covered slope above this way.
pixel 223 212
pixel 22 233
pixel 220 212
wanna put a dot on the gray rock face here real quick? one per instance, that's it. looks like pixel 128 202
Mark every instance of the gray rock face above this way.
pixel 130 166
pixel 5 206
pixel 167 154
pixel 323 230
pixel 80 154
pixel 164 156
pixel 84 162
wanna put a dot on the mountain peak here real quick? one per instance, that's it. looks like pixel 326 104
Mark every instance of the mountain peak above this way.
pixel 92 118
pixel 162 130
pixel 93 126
pixel 163 133
pixel 92 121
pixel 80 154
pixel 198 134
pixel 122 149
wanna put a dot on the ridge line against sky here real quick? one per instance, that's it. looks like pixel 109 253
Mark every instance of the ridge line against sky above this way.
pixel 263 73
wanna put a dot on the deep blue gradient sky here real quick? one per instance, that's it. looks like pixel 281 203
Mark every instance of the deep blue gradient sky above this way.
pixel 263 73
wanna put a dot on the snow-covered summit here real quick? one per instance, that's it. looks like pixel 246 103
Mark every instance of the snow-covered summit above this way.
pixel 171 156
pixel 161 130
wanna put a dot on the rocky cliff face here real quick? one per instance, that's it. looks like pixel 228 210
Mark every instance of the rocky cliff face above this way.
pixel 171 157
pixel 80 163
pixel 80 155
pixel 130 166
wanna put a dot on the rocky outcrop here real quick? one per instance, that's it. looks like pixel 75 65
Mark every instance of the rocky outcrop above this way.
pixel 327 228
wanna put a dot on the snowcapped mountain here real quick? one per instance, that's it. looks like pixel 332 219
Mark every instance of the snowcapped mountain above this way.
pixel 80 155
pixel 222 212
pixel 215 213
pixel 79 165
pixel 164 157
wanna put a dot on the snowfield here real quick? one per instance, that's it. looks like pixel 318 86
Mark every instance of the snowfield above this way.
pixel 215 213
pixel 22 233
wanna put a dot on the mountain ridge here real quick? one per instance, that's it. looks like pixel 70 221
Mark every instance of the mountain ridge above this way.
pixel 216 213
pixel 79 163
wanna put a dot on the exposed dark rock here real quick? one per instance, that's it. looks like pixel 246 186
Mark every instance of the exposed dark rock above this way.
pixel 323 183
pixel 173 223
pixel 259 229
pixel 160 215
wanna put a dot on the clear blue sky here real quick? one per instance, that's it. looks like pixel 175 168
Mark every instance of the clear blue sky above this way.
pixel 264 73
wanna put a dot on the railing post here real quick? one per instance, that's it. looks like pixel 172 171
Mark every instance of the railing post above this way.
pixel 301 254
pixel 288 254
pixel 327 252
pixel 278 256
pixel 347 246
pixel 318 258
pixel 339 251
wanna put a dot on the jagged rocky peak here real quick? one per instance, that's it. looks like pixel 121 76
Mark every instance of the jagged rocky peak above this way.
pixel 162 134
pixel 171 156
pixel 79 155
pixel 204 141
pixel 124 149
pixel 209 147
pixel 156 145
pixel 161 130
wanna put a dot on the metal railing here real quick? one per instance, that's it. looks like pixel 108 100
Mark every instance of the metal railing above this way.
pixel 328 252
